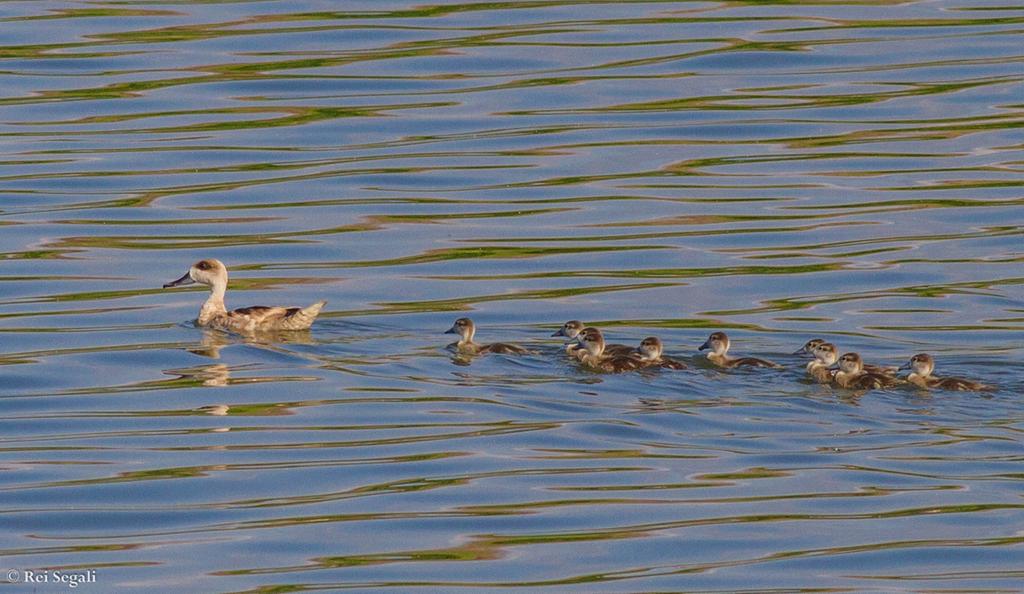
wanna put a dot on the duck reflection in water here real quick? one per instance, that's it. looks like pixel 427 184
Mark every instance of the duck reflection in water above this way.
pixel 213 341
pixel 213 375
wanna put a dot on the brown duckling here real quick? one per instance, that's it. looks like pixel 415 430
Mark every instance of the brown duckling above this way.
pixel 572 330
pixel 921 367
pixel 851 374
pixel 595 357
pixel 465 328
pixel 825 355
pixel 810 345
pixel 650 354
pixel 249 320
pixel 718 342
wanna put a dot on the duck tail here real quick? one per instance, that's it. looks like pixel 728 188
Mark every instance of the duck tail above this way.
pixel 303 318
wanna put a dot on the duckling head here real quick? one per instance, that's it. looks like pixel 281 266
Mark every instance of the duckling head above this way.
pixel 593 341
pixel 809 346
pixel 850 363
pixel 464 327
pixel 570 329
pixel 922 364
pixel 651 348
pixel 210 272
pixel 825 352
pixel 718 342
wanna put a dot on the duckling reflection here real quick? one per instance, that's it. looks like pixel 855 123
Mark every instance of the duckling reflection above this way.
pixel 217 410
pixel 718 342
pixel 466 329
pixel 212 376
pixel 572 330
pixel 825 356
pixel 921 367
pixel 650 354
pixel 850 373
pixel 594 356
pixel 212 273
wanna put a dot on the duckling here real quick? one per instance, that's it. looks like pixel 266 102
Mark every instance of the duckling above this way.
pixel 718 342
pixel 851 374
pixel 649 353
pixel 465 328
pixel 258 318
pixel 825 356
pixel 809 346
pixel 595 357
pixel 572 330
pixel 921 367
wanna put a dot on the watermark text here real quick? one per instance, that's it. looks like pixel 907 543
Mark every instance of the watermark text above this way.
pixel 56 577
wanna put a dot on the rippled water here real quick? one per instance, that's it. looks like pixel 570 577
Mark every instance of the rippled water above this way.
pixel 780 171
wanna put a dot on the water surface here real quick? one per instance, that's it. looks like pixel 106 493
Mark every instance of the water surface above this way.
pixel 780 171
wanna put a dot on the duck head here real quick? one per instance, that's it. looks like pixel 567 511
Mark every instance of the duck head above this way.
pixel 850 363
pixel 809 346
pixel 650 348
pixel 825 352
pixel 922 364
pixel 593 341
pixel 570 329
pixel 210 272
pixel 464 327
pixel 718 342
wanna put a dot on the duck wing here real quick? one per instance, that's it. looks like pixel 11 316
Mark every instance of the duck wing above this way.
pixel 261 312
pixel 261 317
pixel 619 350
pixel 963 385
pixel 619 364
pixel 872 381
pixel 503 348
pixel 669 363
pixel 881 369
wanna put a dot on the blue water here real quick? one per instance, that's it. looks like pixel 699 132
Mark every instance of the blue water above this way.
pixel 777 171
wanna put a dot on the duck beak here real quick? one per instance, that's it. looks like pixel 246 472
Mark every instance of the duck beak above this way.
pixel 905 366
pixel 705 346
pixel 185 280
pixel 800 351
pixel 561 332
pixel 451 330
pixel 834 366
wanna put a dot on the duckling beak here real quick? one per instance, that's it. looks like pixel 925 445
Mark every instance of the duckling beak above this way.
pixel 705 346
pixel 561 332
pixel 905 366
pixel 801 351
pixel 834 366
pixel 185 280
pixel 451 330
